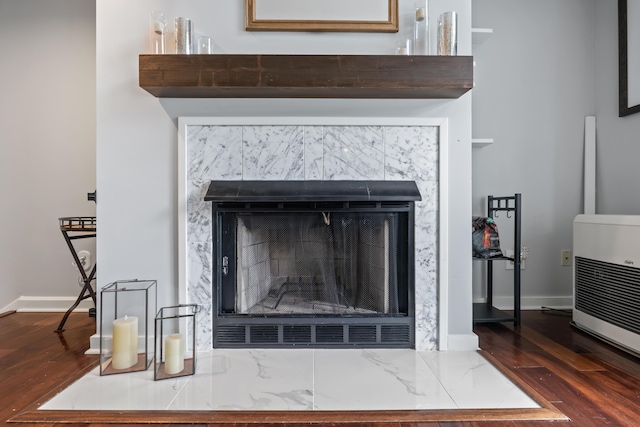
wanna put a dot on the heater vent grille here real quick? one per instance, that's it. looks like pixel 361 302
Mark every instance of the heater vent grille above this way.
pixel 296 333
pixel 313 335
pixel 263 334
pixel 329 333
pixel 395 333
pixel 362 333
pixel 609 292
pixel 230 335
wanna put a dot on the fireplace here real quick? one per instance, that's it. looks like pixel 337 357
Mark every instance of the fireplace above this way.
pixel 313 263
pixel 310 149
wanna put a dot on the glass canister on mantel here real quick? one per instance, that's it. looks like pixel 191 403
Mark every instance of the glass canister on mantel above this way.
pixel 158 33
pixel 183 36
pixel 421 28
pixel 448 34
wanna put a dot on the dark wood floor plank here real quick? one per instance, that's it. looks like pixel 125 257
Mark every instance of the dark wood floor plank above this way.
pixel 577 361
pixel 40 361
pixel 504 337
pixel 611 404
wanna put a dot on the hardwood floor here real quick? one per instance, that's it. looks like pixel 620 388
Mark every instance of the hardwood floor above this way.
pixel 589 381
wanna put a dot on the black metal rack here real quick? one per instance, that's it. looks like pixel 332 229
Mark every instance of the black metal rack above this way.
pixel 486 312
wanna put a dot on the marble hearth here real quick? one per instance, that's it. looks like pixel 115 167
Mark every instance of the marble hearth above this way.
pixel 280 148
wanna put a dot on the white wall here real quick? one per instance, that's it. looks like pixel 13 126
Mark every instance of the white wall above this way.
pixel 535 83
pixel 137 134
pixel 47 141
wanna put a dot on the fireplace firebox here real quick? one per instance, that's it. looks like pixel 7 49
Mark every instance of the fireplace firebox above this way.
pixel 313 263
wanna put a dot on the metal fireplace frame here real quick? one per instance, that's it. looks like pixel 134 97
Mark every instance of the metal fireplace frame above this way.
pixel 231 330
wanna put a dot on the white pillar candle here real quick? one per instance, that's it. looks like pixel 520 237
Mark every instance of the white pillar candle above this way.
pixel 421 14
pixel 174 354
pixel 125 342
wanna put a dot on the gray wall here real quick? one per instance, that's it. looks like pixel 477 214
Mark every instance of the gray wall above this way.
pixel 618 137
pixel 47 140
pixel 535 80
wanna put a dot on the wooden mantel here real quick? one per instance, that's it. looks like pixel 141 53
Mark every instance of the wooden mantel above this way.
pixel 306 76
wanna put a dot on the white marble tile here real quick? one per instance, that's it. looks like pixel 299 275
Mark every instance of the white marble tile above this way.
pixel 426 269
pixel 250 380
pixel 313 153
pixel 380 379
pixel 198 212
pixel 273 153
pixel 304 380
pixel 353 152
pixel 411 153
pixel 130 391
pixel 214 152
pixel 199 291
pixel 474 383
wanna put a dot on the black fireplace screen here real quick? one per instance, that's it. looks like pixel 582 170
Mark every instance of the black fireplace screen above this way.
pixel 317 263
pixel 313 263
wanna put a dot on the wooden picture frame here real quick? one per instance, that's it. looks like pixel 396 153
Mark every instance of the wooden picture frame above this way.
pixel 353 23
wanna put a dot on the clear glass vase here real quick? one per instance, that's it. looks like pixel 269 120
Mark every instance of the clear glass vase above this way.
pixel 158 33
pixel 421 28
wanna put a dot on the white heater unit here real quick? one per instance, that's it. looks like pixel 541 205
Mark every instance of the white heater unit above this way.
pixel 606 278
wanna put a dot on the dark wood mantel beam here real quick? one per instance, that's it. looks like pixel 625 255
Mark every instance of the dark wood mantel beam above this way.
pixel 306 76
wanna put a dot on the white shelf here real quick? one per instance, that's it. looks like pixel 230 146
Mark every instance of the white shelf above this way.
pixel 479 35
pixel 481 142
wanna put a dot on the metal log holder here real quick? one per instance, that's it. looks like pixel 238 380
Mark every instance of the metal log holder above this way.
pixel 74 228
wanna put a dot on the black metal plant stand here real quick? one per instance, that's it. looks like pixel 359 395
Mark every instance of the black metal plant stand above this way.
pixel 74 228
pixel 486 312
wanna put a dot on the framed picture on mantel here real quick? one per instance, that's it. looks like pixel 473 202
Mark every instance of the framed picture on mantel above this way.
pixel 322 15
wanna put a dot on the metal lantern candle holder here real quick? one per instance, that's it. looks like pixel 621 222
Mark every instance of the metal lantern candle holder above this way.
pixel 175 341
pixel 127 308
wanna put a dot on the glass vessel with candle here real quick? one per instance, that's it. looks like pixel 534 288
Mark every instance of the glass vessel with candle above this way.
pixel 421 28
pixel 158 33
pixel 126 317
pixel 175 334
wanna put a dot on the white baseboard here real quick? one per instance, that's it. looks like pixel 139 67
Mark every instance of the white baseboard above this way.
pixel 94 344
pixel 462 342
pixel 47 305
pixel 530 303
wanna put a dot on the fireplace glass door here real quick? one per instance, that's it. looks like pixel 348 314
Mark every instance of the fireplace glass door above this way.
pixel 316 264
pixel 312 273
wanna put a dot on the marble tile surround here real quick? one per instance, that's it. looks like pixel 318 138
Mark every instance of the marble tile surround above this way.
pixel 296 152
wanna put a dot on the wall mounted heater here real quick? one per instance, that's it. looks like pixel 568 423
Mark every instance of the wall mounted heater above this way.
pixel 606 278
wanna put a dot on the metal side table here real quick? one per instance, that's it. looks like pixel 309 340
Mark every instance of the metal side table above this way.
pixel 74 228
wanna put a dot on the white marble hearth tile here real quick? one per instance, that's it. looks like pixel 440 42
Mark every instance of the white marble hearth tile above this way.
pixel 313 149
pixel 380 379
pixel 130 391
pixel 214 152
pixel 273 153
pixel 305 379
pixel 353 152
pixel 198 212
pixel 474 383
pixel 250 380
pixel 411 153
